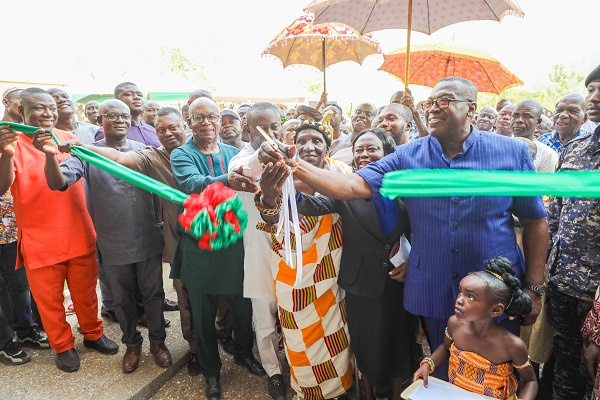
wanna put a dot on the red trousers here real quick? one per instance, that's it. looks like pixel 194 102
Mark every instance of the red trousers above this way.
pixel 47 285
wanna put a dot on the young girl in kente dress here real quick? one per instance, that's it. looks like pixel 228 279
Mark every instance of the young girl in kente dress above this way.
pixel 483 355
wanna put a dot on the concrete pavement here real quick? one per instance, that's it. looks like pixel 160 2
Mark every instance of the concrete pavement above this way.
pixel 100 376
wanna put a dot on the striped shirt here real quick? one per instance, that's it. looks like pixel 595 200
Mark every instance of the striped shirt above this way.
pixel 452 236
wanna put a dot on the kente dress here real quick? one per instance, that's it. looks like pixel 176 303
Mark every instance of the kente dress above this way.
pixel 313 313
pixel 472 372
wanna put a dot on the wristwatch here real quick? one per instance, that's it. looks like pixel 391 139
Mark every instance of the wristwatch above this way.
pixel 537 289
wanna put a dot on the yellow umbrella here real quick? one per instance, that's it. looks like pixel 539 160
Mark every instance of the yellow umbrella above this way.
pixel 423 16
pixel 432 62
pixel 320 47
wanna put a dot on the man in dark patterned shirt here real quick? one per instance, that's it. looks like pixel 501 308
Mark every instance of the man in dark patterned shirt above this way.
pixel 574 261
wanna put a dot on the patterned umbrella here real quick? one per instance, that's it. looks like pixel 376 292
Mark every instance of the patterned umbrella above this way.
pixel 432 62
pixel 425 16
pixel 301 43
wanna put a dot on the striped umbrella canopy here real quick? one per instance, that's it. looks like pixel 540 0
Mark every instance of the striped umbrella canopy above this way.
pixel 431 62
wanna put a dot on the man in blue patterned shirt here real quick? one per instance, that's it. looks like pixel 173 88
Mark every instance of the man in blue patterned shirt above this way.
pixel 568 118
pixel 454 235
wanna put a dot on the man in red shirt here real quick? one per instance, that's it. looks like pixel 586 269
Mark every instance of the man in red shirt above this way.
pixel 57 241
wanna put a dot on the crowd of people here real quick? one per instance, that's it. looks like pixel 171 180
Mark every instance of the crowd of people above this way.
pixel 505 289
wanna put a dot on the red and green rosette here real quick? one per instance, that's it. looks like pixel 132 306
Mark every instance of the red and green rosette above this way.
pixel 215 217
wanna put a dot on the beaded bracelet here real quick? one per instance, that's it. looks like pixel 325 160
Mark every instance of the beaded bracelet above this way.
pixel 429 362
pixel 527 364
pixel 267 211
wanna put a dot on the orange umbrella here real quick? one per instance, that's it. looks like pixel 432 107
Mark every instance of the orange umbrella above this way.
pixel 301 43
pixel 432 62
pixel 424 16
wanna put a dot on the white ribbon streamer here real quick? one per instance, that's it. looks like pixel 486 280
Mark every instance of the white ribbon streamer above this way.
pixel 289 206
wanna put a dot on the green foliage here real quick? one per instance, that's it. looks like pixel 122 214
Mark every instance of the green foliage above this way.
pixel 314 86
pixel 562 82
pixel 181 65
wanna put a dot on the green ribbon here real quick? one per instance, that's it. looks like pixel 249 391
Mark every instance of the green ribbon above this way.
pixel 116 169
pixel 456 182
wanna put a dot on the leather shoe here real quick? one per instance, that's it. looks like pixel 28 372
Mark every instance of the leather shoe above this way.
pixel 228 345
pixel 193 366
pixel 213 388
pixel 162 356
pixel 143 321
pixel 67 361
pixel 252 365
pixel 276 387
pixel 104 345
pixel 170 305
pixel 131 359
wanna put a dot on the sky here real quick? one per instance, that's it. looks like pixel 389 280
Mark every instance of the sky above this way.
pixel 92 48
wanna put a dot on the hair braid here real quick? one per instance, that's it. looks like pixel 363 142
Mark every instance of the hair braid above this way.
pixel 510 294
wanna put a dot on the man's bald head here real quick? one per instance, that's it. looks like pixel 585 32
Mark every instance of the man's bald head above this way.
pixel 397 96
pixel 38 108
pixel 569 115
pixel 573 98
pixel 198 93
pixel 112 103
pixel 115 128
pixel 26 95
pixel 203 102
pixel 465 87
pixel 487 119
pixel 525 118
pixel 535 106
pixel 149 113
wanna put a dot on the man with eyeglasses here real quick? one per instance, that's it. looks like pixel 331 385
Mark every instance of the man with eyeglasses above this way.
pixel 211 274
pixel 132 96
pixel 57 241
pixel 129 237
pixel 454 235
pixel 568 117
pixel 362 118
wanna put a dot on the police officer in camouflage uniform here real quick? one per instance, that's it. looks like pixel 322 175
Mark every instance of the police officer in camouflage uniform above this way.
pixel 574 261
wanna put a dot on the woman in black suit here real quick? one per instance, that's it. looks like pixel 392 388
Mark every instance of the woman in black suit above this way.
pixel 382 333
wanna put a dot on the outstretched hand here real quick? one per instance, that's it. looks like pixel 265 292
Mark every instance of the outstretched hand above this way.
pixel 43 141
pixel 239 182
pixel 271 182
pixel 267 154
pixel 65 147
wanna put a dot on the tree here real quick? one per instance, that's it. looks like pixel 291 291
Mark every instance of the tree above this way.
pixel 181 65
pixel 562 82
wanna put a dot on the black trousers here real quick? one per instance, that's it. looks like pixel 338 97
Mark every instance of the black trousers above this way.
pixel 15 297
pixel 566 315
pixel 147 276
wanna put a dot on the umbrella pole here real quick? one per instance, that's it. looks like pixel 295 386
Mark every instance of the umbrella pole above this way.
pixel 324 64
pixel 409 26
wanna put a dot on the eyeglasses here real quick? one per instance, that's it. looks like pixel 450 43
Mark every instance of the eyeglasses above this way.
pixel 113 117
pixel 200 118
pixel 441 103
pixel 367 114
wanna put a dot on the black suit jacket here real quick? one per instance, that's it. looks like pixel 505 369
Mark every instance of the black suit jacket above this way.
pixel 366 250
